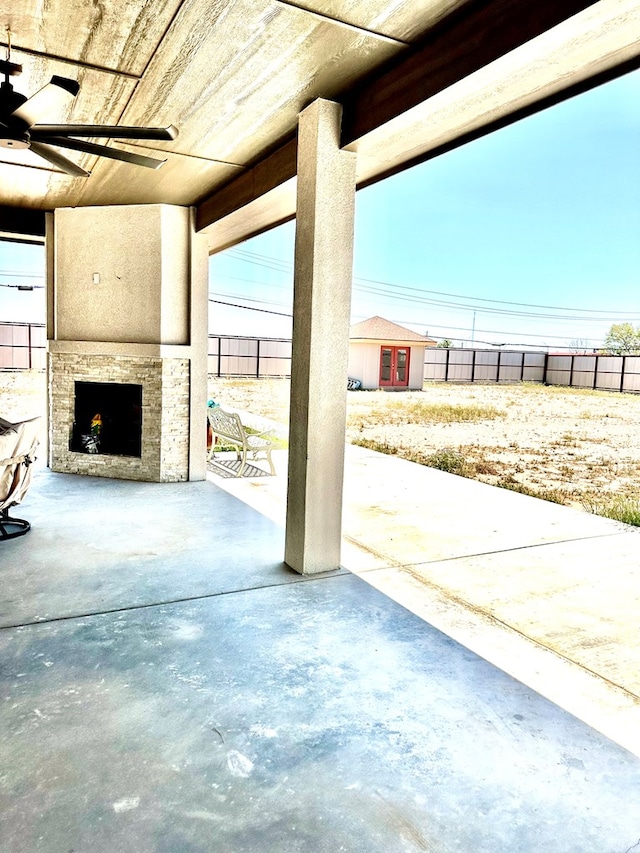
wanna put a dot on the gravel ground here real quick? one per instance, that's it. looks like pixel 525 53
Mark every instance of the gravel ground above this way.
pixel 574 443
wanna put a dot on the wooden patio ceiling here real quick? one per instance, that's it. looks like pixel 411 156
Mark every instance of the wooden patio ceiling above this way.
pixel 415 78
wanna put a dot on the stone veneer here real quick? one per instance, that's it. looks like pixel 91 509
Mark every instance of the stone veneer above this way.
pixel 165 415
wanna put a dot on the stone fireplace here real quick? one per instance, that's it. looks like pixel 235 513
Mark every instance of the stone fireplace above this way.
pixel 164 421
pixel 127 356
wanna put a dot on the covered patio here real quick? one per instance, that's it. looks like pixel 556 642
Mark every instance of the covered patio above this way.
pixel 256 112
pixel 170 682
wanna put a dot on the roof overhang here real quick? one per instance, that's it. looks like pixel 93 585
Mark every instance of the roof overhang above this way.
pixel 482 69
pixel 415 79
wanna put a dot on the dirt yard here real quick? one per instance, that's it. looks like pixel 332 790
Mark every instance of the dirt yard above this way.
pixel 564 444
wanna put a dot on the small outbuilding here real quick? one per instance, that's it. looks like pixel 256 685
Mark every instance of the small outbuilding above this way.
pixel 385 355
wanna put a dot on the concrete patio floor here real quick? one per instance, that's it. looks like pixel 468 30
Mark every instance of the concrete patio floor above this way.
pixel 168 685
pixel 548 593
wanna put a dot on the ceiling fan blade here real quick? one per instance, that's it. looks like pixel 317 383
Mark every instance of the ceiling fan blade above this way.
pixel 101 131
pixel 104 151
pixel 52 98
pixel 58 160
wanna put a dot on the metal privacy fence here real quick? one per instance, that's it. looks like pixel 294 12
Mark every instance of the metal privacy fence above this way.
pixel 599 372
pixel 604 372
pixel 23 346
pixel 258 357
pixel 475 365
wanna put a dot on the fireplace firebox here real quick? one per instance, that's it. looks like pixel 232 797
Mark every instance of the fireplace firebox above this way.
pixel 107 419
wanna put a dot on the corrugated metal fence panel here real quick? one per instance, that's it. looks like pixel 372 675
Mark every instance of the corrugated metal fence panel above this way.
pixel 584 367
pixel 609 376
pixel 487 357
pixel 39 337
pixel 237 365
pixel 559 370
pixel 247 347
pixel 39 358
pixel 460 365
pixel 631 373
pixel 22 345
pixel 510 367
pixel 435 364
pixel 533 366
pixel 6 356
pixel 486 366
pixel 467 365
pixel 275 358
pixel 237 356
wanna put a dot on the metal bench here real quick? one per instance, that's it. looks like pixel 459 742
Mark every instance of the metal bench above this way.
pixel 229 427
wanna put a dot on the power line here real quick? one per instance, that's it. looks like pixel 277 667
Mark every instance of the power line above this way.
pixel 494 311
pixel 250 308
pixel 599 311
pixel 23 286
pixel 21 274
pixel 415 322
pixel 286 266
pixel 250 298
pixel 443 304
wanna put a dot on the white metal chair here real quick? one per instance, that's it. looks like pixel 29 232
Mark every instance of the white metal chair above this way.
pixel 18 443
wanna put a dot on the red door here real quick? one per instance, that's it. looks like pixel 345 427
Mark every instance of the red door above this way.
pixel 394 367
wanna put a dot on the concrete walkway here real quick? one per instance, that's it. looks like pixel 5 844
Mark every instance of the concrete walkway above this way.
pixel 167 685
pixel 549 594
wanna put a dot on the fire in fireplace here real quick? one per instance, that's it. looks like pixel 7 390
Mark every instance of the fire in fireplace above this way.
pixel 107 419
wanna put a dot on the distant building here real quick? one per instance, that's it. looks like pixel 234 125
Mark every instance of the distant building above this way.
pixel 387 356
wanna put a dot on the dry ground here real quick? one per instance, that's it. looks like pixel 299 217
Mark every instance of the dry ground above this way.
pixel 566 444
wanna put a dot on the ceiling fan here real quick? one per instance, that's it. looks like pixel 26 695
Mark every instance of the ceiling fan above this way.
pixel 20 127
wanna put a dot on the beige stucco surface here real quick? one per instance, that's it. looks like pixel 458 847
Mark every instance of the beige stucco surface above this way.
pixel 322 302
pixel 122 274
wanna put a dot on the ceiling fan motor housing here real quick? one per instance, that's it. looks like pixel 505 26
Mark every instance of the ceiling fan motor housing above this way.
pixel 10 100
pixel 13 131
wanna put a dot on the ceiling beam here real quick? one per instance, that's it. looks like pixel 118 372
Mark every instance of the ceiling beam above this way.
pixel 478 33
pixel 276 169
pixel 544 103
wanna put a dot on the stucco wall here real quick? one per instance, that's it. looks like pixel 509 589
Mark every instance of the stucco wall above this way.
pixel 139 254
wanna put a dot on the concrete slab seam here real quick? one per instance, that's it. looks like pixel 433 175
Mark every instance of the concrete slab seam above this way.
pixel 338 573
pixel 397 565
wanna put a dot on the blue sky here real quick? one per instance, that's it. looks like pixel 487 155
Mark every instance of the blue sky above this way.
pixel 543 213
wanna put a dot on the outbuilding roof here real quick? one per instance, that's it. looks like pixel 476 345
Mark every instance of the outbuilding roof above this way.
pixel 379 329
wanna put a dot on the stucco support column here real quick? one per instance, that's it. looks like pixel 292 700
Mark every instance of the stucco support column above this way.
pixel 321 313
